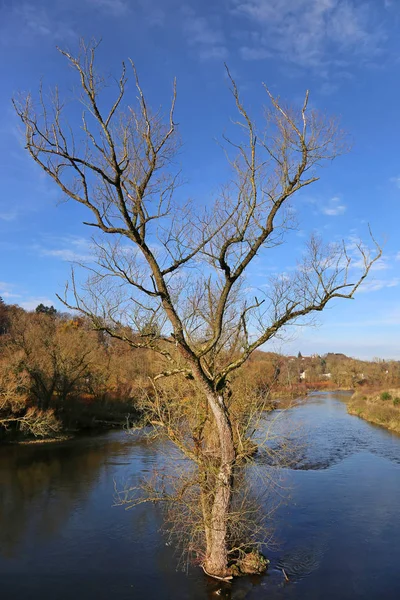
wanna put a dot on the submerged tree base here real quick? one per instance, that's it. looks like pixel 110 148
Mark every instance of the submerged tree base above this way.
pixel 250 563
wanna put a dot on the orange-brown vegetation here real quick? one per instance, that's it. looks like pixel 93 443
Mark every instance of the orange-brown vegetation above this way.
pixel 330 371
pixel 56 374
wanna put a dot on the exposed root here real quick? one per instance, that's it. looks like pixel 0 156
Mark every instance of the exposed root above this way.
pixel 227 579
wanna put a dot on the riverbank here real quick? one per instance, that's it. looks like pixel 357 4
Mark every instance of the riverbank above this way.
pixel 381 407
pixel 20 439
pixel 65 435
pixel 65 421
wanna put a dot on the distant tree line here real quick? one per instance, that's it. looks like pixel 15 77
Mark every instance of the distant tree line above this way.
pixel 56 372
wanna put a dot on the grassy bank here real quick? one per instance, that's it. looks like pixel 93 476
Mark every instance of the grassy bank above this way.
pixel 381 407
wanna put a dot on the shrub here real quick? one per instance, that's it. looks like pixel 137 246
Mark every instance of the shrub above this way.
pixel 386 396
pixel 396 401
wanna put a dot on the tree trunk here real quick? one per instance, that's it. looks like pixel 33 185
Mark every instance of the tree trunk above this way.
pixel 216 562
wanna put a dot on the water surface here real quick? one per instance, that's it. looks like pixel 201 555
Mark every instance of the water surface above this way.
pixel 337 535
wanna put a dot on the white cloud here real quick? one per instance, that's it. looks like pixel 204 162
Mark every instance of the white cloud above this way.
pixel 310 32
pixel 248 53
pixel 146 12
pixel 7 291
pixel 385 317
pixel 396 181
pixel 380 265
pixel 374 285
pixel 67 255
pixel 334 207
pixel 74 249
pixel 328 88
pixel 9 295
pixel 37 21
pixel 115 8
pixel 33 301
pixel 8 216
pixel 206 37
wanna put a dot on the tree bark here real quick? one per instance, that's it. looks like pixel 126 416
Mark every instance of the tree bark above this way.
pixel 216 561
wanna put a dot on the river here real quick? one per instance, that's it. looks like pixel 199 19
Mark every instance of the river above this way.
pixel 337 533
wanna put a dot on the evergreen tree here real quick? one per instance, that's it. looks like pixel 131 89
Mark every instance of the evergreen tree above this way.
pixel 4 320
pixel 47 310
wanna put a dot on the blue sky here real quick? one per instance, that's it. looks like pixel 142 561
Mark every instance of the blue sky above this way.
pixel 347 52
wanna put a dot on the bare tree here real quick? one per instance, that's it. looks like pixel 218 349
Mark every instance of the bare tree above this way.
pixel 173 277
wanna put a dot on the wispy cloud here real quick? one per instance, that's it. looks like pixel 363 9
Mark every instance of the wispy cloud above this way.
pixel 387 317
pixel 10 215
pixel 374 285
pixel 25 22
pixel 334 207
pixel 396 181
pixel 115 8
pixel 148 13
pixel 310 33
pixel 33 301
pixel 35 19
pixel 381 264
pixel 66 255
pixel 28 302
pixel 7 291
pixel 205 36
pixel 38 21
pixel 249 53
pixel 73 249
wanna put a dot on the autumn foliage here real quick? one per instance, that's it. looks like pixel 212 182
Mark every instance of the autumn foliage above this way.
pixel 56 374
